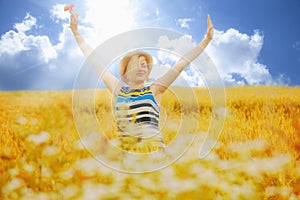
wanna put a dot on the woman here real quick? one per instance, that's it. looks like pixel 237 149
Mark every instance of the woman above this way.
pixel 137 105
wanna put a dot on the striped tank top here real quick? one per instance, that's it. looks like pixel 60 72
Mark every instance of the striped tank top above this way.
pixel 137 115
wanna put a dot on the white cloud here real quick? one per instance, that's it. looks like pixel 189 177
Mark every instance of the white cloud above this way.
pixel 43 44
pixel 183 22
pixel 26 24
pixel 183 79
pixel 14 42
pixel 171 51
pixel 233 54
pixel 180 45
pixel 99 21
pixel 102 21
pixel 57 12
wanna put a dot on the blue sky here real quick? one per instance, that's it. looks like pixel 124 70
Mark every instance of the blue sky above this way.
pixel 256 42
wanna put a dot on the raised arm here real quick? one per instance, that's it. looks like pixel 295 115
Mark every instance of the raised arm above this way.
pixel 110 81
pixel 161 84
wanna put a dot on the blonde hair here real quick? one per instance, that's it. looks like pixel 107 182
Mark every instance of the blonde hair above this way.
pixel 133 62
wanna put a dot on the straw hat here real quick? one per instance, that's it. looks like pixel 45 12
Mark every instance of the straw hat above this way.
pixel 124 62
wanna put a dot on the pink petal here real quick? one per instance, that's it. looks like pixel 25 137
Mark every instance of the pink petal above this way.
pixel 70 7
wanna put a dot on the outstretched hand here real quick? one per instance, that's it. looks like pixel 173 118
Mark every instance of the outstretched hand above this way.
pixel 74 20
pixel 210 29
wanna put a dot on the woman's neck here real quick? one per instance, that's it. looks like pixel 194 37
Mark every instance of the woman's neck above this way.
pixel 136 86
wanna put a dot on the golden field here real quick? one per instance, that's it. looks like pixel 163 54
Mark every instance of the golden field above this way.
pixel 256 156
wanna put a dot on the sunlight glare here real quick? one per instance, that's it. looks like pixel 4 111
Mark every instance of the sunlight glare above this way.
pixel 110 17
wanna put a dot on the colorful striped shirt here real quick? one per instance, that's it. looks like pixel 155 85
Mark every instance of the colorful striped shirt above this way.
pixel 137 115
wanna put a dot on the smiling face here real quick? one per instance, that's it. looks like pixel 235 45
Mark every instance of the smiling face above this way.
pixel 137 71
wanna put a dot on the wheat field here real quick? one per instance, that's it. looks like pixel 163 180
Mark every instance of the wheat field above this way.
pixel 256 156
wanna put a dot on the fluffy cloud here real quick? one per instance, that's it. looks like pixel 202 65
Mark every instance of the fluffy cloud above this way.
pixel 184 22
pixel 174 49
pixel 57 13
pixel 233 54
pixel 41 64
pixel 30 61
pixel 16 41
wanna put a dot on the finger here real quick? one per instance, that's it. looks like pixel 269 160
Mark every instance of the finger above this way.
pixel 209 23
pixel 208 19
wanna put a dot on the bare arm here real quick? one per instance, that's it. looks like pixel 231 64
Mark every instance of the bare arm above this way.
pixel 161 84
pixel 111 82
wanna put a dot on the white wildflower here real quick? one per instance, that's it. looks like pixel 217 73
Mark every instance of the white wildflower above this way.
pixel 67 175
pixel 284 191
pixel 26 191
pixel 69 191
pixel 94 191
pixel 167 175
pixel 148 183
pixel 51 150
pixel 207 147
pixel 244 149
pixel 43 137
pixel 89 166
pixel 243 191
pixel 275 164
pixel 173 125
pixel 187 185
pixel 224 186
pixel 12 185
pixel 34 121
pixel 157 155
pixel 212 156
pixel 228 164
pixel 115 142
pixel 293 197
pixel 221 111
pixel 28 167
pixel 22 120
pixel 271 165
pixel 91 141
pixel 46 172
pixel 209 177
pixel 271 190
pixel 253 168
pixel 14 171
